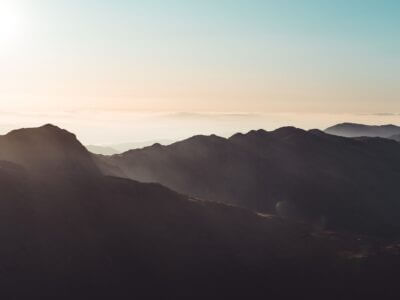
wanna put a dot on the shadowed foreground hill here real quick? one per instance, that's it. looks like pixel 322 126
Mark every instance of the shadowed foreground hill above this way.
pixel 68 232
pixel 341 183
pixel 357 130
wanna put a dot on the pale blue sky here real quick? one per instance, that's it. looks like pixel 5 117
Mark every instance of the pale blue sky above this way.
pixel 299 56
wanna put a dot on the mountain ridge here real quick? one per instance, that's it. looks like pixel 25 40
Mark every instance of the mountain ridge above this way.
pixel 322 175
pixel 90 236
pixel 86 236
pixel 357 130
pixel 47 148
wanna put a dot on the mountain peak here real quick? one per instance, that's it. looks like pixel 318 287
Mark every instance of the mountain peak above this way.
pixel 46 129
pixel 47 148
pixel 287 131
pixel 55 128
pixel 51 126
pixel 259 132
pixel 204 138
pixel 282 132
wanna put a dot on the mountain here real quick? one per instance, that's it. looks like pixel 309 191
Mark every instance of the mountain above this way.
pixel 123 147
pixel 395 137
pixel 69 232
pixel 330 181
pixel 47 149
pixel 103 150
pixel 357 130
pixel 119 148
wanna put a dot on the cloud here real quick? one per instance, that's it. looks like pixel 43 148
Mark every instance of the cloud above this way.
pixel 213 115
pixel 385 114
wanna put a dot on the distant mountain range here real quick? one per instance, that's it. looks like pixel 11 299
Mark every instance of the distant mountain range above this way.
pixel 123 147
pixel 357 130
pixel 343 129
pixel 103 150
pixel 69 232
pixel 341 183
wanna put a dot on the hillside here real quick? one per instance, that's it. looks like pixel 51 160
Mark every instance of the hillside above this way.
pixel 334 182
pixel 68 232
pixel 395 137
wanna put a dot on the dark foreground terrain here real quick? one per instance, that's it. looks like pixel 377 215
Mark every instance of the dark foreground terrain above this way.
pixel 69 232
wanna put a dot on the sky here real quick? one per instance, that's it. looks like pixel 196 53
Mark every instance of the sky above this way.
pixel 116 71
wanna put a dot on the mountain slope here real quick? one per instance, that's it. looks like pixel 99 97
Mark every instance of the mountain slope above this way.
pixel 67 232
pixel 395 137
pixel 357 130
pixel 47 149
pixel 341 183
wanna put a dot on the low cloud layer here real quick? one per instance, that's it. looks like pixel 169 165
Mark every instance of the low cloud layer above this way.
pixel 113 127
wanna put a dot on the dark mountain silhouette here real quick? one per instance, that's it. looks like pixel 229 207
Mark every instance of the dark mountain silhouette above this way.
pixel 119 148
pixel 357 130
pixel 123 147
pixel 68 232
pixel 47 149
pixel 337 182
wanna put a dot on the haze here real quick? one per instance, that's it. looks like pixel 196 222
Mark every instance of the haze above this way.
pixel 116 71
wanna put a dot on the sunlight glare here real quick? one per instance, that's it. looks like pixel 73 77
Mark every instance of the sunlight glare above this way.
pixel 11 22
